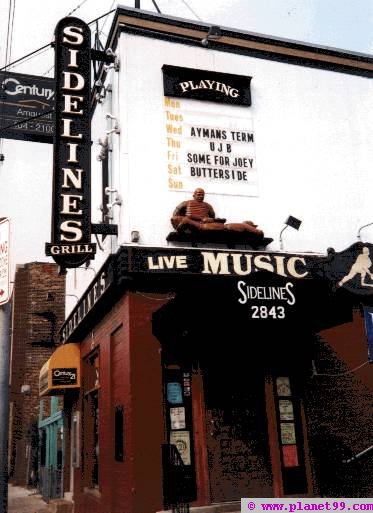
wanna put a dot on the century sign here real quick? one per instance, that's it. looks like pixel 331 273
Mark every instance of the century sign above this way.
pixel 26 107
pixel 71 218
pixel 4 261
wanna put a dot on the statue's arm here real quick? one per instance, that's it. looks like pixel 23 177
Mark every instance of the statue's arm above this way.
pixel 212 217
pixel 211 212
pixel 180 210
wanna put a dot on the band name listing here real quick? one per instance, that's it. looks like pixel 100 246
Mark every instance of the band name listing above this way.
pixel 204 147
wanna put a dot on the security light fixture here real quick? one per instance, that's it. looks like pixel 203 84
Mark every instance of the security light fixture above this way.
pixel 25 389
pixel 361 227
pixel 114 58
pixel 135 236
pixel 213 34
pixel 293 222
pixel 74 295
pixel 115 128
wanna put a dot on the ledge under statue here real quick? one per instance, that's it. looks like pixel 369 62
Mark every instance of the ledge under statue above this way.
pixel 195 221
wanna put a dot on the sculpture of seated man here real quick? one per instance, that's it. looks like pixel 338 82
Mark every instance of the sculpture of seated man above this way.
pixel 196 214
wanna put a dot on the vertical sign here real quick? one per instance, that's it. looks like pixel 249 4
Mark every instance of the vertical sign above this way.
pixel 71 208
pixel 368 316
pixel 4 261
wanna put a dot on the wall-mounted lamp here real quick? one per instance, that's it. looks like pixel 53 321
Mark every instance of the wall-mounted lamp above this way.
pixel 104 143
pixel 109 190
pixel 115 128
pixel 116 201
pixel 213 34
pixel 361 227
pixel 293 222
pixel 100 90
pixel 73 295
pixel 116 64
pixel 25 389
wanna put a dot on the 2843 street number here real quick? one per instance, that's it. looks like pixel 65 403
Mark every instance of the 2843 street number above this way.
pixel 265 312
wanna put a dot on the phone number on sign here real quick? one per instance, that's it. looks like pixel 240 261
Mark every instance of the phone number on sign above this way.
pixel 36 127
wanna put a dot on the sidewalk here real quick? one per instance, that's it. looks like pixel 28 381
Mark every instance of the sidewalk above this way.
pixel 23 500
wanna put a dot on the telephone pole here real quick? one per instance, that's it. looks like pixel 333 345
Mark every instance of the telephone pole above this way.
pixel 5 316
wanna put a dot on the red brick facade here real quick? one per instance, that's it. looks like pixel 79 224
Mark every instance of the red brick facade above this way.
pixel 339 409
pixel 38 289
pixel 334 399
pixel 130 376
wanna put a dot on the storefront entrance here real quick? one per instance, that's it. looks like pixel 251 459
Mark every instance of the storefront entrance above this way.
pixel 237 433
pixel 247 428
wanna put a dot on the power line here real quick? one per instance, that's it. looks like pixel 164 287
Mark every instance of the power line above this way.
pixel 49 44
pixel 93 21
pixel 76 8
pixel 26 119
pixel 191 10
pixel 69 14
pixel 8 53
pixel 102 28
pixel 315 373
pixel 156 6
pixel 7 57
pixel 11 30
pixel 25 56
pixel 30 54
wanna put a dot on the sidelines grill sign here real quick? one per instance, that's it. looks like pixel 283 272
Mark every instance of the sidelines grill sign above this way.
pixel 71 209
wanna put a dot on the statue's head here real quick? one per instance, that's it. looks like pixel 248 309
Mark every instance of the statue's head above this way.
pixel 199 195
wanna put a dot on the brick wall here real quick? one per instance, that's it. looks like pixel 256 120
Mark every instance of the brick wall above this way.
pixel 339 412
pixel 37 289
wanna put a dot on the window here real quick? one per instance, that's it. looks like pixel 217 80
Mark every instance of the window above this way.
pixel 75 428
pixel 119 433
pixel 91 435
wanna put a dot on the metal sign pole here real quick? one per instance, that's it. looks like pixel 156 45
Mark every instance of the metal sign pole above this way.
pixel 5 315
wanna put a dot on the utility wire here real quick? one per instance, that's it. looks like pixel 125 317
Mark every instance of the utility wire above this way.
pixel 25 56
pixel 315 373
pixel 8 53
pixel 12 30
pixel 76 8
pixel 156 6
pixel 42 48
pixel 49 44
pixel 26 119
pixel 93 21
pixel 103 26
pixel 191 10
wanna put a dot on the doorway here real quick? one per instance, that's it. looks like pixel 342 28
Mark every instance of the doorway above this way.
pixel 236 432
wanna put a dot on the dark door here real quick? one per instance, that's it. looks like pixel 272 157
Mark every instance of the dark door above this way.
pixel 237 436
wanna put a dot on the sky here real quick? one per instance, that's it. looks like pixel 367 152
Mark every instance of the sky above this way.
pixel 344 24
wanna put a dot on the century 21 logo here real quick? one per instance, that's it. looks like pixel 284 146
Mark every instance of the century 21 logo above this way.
pixel 13 87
